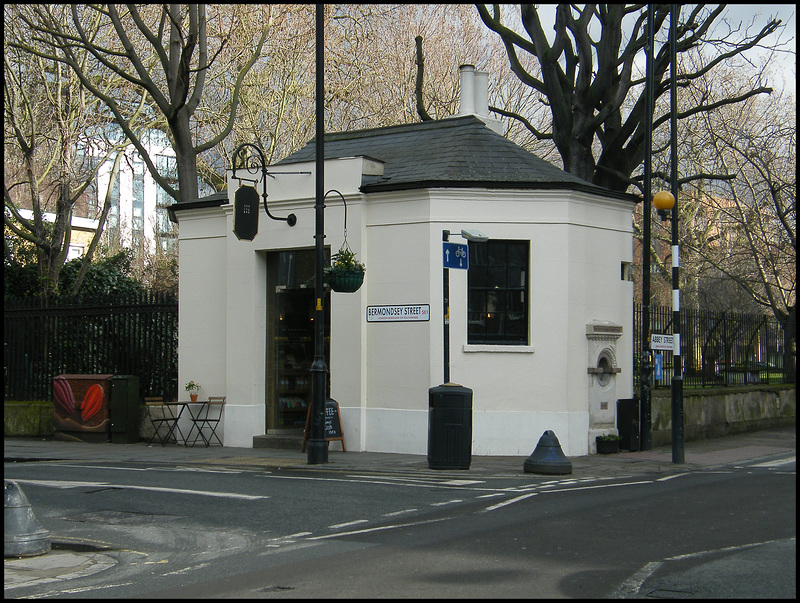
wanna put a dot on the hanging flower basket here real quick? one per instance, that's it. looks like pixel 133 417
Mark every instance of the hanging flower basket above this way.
pixel 346 273
pixel 345 282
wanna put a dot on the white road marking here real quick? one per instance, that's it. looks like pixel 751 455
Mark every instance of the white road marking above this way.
pixel 402 512
pixel 598 486
pixel 297 535
pixel 778 462
pixel 74 484
pixel 740 547
pixel 380 528
pixel 171 469
pixel 347 524
pixel 572 488
pixel 632 585
pixel 447 502
pixel 84 589
pixel 669 477
pixel 383 481
pixel 510 501
pixel 186 570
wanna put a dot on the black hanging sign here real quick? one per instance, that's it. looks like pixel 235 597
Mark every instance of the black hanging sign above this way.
pixel 245 213
pixel 333 424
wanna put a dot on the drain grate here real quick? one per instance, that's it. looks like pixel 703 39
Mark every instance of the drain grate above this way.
pixel 663 593
pixel 80 547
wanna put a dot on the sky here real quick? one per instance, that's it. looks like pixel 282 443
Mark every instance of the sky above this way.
pixel 787 13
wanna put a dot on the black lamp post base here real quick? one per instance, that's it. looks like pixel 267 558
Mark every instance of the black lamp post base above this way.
pixel 317 452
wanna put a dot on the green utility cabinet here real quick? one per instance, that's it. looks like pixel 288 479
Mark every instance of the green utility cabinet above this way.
pixel 123 409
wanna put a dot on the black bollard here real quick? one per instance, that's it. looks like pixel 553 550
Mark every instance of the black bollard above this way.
pixel 548 457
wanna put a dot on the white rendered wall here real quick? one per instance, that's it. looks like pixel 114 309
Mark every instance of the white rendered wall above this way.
pixel 202 303
pixel 381 372
pixel 577 245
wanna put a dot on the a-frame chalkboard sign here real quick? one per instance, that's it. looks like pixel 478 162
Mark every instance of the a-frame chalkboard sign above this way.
pixel 333 424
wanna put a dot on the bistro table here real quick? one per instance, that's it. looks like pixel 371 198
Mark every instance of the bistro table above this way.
pixel 194 415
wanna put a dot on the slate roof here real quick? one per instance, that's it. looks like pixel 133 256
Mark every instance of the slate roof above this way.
pixel 459 152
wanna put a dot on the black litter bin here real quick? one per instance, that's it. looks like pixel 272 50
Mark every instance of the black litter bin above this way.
pixel 628 424
pixel 449 427
pixel 123 409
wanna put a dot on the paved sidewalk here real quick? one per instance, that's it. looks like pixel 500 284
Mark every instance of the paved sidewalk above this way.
pixel 698 455
pixel 63 564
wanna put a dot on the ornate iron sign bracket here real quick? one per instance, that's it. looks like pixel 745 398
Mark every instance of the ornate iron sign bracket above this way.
pixel 250 158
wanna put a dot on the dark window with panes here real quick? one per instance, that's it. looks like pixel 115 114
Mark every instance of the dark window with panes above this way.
pixel 498 292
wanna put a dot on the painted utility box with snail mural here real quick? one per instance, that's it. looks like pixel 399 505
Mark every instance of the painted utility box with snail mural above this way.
pixel 80 409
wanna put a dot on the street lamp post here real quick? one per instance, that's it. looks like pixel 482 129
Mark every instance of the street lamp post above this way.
pixel 470 235
pixel 665 203
pixel 647 355
pixel 317 444
pixel 446 314
pixel 677 377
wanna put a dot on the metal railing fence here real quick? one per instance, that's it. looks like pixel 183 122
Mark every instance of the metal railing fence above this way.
pixel 138 335
pixel 719 348
pixel 121 335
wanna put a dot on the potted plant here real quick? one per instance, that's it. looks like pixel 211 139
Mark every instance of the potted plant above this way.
pixel 346 273
pixel 607 443
pixel 192 388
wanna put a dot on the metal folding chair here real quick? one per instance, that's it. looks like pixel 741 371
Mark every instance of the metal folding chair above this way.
pixel 209 418
pixel 161 415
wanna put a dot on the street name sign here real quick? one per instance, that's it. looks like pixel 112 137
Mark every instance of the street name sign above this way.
pixel 405 313
pixel 660 342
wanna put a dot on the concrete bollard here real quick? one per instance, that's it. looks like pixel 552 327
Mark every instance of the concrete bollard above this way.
pixel 22 534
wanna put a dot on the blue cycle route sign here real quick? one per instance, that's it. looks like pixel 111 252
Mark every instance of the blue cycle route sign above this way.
pixel 455 255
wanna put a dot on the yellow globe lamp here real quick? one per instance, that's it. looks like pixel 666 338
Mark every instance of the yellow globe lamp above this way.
pixel 663 201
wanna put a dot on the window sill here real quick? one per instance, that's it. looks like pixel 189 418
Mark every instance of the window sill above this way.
pixel 486 347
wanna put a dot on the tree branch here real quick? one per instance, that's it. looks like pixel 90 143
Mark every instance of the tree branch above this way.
pixel 525 122
pixel 235 97
pixel 423 114
pixel 712 106
pixel 510 40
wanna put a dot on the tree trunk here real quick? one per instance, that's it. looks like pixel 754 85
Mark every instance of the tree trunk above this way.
pixel 185 156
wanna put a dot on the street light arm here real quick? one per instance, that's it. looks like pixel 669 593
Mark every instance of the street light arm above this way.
pixel 476 236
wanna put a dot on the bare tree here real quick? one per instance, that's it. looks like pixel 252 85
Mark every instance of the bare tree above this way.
pixel 163 52
pixel 591 85
pixel 55 142
pixel 277 95
pixel 370 72
pixel 753 239
pixel 372 65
